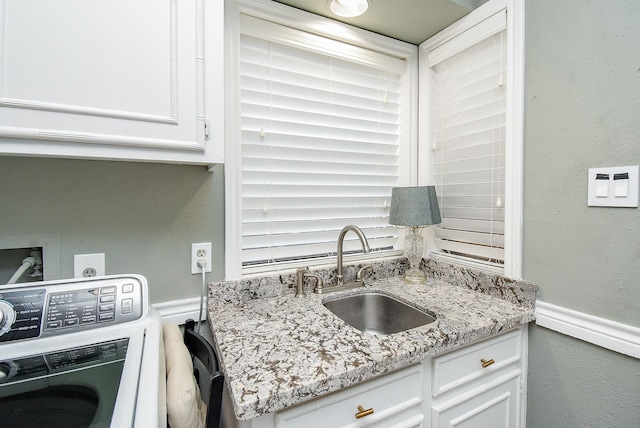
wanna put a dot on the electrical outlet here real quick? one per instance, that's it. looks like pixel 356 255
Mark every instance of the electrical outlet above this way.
pixel 201 251
pixel 88 265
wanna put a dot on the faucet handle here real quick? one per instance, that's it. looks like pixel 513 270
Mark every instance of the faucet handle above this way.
pixel 299 284
pixel 319 283
pixel 301 274
pixel 360 271
pixel 319 288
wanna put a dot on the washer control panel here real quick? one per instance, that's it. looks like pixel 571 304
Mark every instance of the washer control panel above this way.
pixel 36 310
pixel 35 366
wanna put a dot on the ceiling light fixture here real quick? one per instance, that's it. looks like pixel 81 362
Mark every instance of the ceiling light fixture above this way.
pixel 348 8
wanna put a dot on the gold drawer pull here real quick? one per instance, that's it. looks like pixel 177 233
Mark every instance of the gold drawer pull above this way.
pixel 362 412
pixel 486 363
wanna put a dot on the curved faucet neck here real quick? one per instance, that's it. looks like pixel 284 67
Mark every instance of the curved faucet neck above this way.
pixel 363 241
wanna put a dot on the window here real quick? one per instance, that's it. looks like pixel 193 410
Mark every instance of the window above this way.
pixel 324 134
pixel 471 141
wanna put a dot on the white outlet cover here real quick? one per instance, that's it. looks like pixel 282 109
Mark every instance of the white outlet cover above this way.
pixel 84 261
pixel 206 246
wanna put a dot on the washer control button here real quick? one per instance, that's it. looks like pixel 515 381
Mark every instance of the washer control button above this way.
pixel 71 321
pixel 7 316
pixel 107 298
pixel 127 306
pixel 106 307
pixel 107 316
pixel 54 324
pixel 127 288
pixel 8 369
pixel 108 290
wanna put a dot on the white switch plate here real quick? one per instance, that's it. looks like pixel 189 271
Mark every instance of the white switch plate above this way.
pixel 626 196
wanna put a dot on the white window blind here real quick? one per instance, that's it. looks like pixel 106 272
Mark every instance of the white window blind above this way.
pixel 319 145
pixel 468 149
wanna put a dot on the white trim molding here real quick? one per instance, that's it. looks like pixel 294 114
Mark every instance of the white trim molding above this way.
pixel 96 138
pixel 178 311
pixel 618 337
pixel 514 165
pixel 90 111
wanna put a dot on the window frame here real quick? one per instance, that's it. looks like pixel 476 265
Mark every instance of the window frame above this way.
pixel 315 25
pixel 514 128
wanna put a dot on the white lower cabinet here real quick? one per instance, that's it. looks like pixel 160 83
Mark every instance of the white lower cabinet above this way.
pixel 477 386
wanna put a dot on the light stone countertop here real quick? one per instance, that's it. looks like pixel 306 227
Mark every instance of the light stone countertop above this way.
pixel 280 351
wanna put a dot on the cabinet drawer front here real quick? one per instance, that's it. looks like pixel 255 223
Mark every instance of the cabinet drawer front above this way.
pixel 494 405
pixel 462 366
pixel 415 421
pixel 387 396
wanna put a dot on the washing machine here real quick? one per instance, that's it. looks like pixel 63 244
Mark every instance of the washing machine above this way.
pixel 81 353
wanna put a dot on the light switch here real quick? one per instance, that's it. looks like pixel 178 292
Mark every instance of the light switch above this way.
pixel 613 186
pixel 602 185
pixel 621 185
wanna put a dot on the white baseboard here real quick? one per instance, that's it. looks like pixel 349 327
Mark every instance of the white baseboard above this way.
pixel 612 335
pixel 178 311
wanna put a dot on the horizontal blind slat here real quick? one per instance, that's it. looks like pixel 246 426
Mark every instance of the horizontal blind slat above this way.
pixel 285 234
pixel 474 225
pixel 484 239
pixel 471 250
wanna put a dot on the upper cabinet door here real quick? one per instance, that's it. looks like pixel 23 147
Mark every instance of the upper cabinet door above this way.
pixel 112 79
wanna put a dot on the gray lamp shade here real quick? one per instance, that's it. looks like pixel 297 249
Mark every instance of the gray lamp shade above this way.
pixel 414 206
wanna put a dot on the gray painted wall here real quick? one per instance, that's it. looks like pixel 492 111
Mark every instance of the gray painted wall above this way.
pixel 582 110
pixel 144 217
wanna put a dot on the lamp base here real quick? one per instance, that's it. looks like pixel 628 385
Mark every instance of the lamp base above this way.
pixel 415 247
pixel 415 276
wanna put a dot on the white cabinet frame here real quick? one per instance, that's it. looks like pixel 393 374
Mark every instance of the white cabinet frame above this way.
pixel 113 80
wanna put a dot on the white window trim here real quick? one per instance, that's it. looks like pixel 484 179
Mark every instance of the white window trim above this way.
pixel 314 24
pixel 514 119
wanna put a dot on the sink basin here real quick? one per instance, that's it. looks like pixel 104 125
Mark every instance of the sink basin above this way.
pixel 377 313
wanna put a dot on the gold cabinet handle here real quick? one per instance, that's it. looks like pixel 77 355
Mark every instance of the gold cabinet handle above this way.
pixel 486 363
pixel 362 412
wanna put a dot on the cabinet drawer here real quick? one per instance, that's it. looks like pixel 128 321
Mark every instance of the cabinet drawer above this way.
pixel 495 404
pixel 392 397
pixel 462 366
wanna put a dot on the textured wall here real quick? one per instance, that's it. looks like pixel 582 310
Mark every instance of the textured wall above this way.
pixel 582 110
pixel 144 217
pixel 574 384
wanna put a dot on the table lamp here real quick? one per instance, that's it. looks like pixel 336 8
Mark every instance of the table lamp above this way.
pixel 414 207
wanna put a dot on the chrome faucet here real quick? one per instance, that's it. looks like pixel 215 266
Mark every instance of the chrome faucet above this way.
pixel 363 240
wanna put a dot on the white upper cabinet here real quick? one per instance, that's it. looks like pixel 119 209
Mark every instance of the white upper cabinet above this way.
pixel 113 79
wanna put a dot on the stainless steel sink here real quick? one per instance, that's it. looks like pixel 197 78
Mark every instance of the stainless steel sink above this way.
pixel 377 313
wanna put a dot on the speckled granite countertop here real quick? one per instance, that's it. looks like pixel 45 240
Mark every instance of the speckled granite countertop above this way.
pixel 277 351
